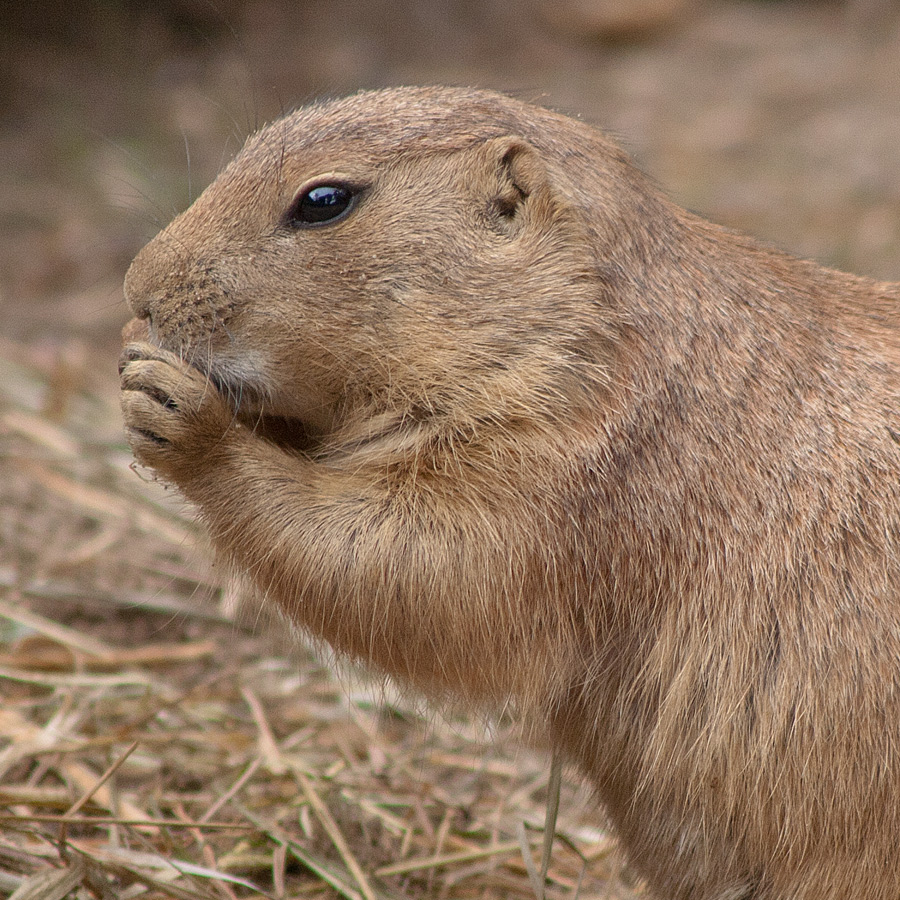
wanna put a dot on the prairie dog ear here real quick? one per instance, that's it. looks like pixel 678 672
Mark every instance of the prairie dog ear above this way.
pixel 519 176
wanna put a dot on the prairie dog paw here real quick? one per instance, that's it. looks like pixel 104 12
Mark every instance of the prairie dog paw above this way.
pixel 174 415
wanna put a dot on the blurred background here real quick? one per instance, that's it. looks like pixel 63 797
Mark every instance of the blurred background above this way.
pixel 778 118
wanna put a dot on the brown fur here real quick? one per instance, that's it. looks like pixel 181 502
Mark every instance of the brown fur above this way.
pixel 519 430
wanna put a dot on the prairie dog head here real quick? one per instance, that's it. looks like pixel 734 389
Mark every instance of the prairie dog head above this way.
pixel 414 254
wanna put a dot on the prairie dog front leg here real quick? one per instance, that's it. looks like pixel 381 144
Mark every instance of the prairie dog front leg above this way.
pixel 175 421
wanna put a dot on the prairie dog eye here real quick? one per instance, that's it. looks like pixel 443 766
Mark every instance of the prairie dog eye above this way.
pixel 321 204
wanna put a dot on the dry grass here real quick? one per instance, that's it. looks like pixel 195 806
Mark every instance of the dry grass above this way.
pixel 152 746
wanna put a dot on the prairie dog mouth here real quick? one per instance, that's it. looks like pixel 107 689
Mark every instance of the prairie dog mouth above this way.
pixel 293 435
pixel 241 384
pixel 136 330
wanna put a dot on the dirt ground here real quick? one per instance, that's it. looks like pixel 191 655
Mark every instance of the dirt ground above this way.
pixel 777 118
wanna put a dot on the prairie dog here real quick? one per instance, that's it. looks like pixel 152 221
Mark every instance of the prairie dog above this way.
pixel 469 399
